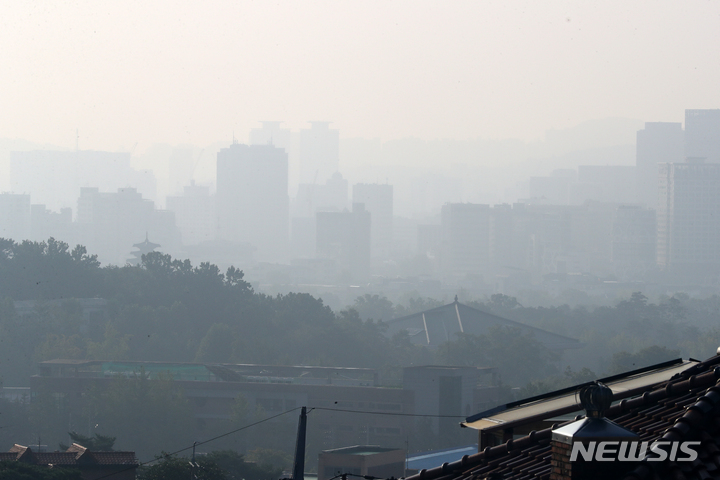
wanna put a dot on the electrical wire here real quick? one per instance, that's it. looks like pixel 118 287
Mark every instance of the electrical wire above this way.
pixel 388 413
pixel 171 454
pixel 168 455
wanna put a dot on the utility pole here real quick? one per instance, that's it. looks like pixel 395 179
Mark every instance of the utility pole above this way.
pixel 299 465
pixel 193 463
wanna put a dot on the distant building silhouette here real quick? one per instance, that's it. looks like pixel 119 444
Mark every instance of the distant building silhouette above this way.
pixel 658 142
pixel 634 239
pixel 54 178
pixel 45 224
pixel 328 196
pixel 702 135
pixel 345 238
pixel 109 224
pixel 271 134
pixel 195 214
pixel 604 183
pixel 142 248
pixel 319 152
pixel 14 216
pixel 378 200
pixel 252 198
pixel 688 224
pixel 465 239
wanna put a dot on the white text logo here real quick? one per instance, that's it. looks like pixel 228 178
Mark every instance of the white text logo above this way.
pixel 624 451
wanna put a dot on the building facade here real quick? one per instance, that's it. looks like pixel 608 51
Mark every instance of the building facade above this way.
pixel 252 198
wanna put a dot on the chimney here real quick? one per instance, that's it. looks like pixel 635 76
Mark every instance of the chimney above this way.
pixel 593 448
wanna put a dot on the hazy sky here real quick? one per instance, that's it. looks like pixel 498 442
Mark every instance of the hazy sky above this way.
pixel 195 72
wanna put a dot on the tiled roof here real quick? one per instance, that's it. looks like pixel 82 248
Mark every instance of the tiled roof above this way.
pixel 74 456
pixel 687 407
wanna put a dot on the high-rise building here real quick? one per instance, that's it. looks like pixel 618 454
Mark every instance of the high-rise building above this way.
pixel 658 142
pixel 252 198
pixel 702 135
pixel 465 238
pixel 15 216
pixel 378 200
pixel 194 214
pixel 45 224
pixel 271 134
pixel 330 196
pixel 604 183
pixel 634 239
pixel 319 153
pixel 109 224
pixel 54 178
pixel 345 238
pixel 688 224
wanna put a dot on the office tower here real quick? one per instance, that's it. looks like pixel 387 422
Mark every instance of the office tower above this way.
pixel 702 135
pixel 344 237
pixel 330 196
pixel 552 189
pixel 658 142
pixel 54 178
pixel 45 224
pixel 252 198
pixel 604 183
pixel 109 224
pixel 634 238
pixel 194 214
pixel 181 166
pixel 14 216
pixel 378 200
pixel 688 224
pixel 465 238
pixel 319 153
pixel 310 199
pixel 271 134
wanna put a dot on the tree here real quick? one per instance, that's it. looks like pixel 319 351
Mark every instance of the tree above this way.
pixel 144 413
pixel 624 361
pixel 374 307
pixel 264 464
pixel 519 357
pixel 217 465
pixel 172 468
pixel 97 442
pixel 217 345
pixel 13 470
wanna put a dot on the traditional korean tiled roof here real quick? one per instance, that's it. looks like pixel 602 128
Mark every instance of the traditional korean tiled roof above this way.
pixel 686 407
pixel 76 455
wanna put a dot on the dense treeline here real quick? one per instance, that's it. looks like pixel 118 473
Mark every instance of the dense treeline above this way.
pixel 165 310
pixel 169 310
pixel 631 334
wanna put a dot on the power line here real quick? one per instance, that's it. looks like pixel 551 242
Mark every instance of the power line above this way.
pixel 168 455
pixel 388 413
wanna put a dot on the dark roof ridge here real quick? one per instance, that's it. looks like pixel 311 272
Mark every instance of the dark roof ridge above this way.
pixel 694 415
pixel 670 388
pixel 694 377
pixel 468 461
